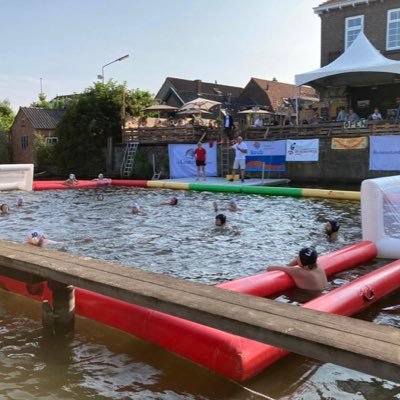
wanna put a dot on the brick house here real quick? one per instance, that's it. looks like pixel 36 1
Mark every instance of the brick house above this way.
pixel 341 22
pixel 28 123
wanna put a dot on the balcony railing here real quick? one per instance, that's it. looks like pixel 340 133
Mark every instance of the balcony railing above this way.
pixel 192 134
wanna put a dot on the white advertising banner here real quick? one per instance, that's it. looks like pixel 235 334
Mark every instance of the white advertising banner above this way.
pixel 302 150
pixel 384 153
pixel 182 163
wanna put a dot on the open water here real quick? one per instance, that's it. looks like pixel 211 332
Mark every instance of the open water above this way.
pixel 103 363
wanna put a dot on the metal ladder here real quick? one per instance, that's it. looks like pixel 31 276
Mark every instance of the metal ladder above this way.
pixel 225 150
pixel 128 159
pixel 156 175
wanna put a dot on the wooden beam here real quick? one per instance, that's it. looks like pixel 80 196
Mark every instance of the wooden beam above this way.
pixel 352 343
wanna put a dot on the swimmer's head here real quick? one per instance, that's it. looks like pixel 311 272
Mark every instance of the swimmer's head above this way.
pixel 20 200
pixel 4 209
pixel 233 200
pixel 72 176
pixel 308 256
pixel 173 201
pixel 331 226
pixel 36 237
pixel 220 220
pixel 135 208
pixel 101 176
pixel 100 197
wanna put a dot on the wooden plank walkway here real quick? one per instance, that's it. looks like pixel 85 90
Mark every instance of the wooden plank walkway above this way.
pixel 352 343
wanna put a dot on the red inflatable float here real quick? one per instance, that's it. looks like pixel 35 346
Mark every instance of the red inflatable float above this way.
pixel 233 356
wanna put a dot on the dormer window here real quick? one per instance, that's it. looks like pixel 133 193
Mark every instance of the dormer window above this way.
pixel 393 30
pixel 354 25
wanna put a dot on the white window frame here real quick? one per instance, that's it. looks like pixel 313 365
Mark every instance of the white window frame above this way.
pixel 347 29
pixel 387 29
pixel 52 139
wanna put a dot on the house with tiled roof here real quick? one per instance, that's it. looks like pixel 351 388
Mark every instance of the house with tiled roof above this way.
pixel 175 92
pixel 28 123
pixel 341 22
pixel 271 94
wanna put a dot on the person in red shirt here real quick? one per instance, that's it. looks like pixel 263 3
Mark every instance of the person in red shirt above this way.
pixel 200 156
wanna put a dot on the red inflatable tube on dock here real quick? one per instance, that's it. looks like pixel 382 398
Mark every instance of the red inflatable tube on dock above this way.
pixel 233 356
pixel 58 185
pixel 129 182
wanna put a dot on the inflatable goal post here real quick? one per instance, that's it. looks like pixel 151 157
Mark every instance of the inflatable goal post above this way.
pixel 16 176
pixel 380 214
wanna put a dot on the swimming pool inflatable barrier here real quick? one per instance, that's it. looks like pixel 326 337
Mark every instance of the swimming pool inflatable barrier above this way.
pixel 206 187
pixel 230 355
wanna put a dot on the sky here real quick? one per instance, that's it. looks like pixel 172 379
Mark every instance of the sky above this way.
pixel 60 46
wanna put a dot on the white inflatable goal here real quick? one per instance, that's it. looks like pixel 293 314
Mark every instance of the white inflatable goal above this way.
pixel 16 176
pixel 380 214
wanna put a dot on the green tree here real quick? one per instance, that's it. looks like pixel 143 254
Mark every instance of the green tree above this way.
pixel 42 103
pixel 6 120
pixel 44 150
pixel 90 119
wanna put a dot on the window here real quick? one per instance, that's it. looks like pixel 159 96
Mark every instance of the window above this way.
pixel 24 142
pixel 354 25
pixel 52 139
pixel 393 30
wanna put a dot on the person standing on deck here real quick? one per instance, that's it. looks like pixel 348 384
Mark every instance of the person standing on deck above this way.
pixel 240 158
pixel 200 155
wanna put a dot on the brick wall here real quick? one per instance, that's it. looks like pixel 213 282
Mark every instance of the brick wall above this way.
pixel 22 127
pixel 375 25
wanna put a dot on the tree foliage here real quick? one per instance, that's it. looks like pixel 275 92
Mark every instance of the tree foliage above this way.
pixel 44 150
pixel 6 116
pixel 91 118
pixel 42 103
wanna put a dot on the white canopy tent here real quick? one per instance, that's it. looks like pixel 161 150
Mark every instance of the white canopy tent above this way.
pixel 361 64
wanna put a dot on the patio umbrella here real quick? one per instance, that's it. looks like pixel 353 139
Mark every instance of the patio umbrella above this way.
pixel 201 103
pixel 161 107
pixel 190 111
pixel 255 112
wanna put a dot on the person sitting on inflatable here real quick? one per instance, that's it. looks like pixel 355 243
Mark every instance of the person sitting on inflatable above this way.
pixel 304 270
pixel 100 180
pixel 332 229
pixel 71 181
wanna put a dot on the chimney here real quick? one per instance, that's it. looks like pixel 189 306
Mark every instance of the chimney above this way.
pixel 198 82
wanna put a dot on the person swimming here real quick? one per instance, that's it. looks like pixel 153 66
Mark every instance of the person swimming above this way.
pixel 220 220
pixel 20 200
pixel 232 205
pixel 173 201
pixel 135 208
pixel 36 238
pixel 4 209
pixel 100 197
pixel 332 228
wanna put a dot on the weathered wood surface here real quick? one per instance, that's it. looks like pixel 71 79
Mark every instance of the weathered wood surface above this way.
pixel 355 344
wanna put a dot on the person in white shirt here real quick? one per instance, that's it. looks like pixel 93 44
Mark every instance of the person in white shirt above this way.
pixel 240 158
pixel 376 115
pixel 258 122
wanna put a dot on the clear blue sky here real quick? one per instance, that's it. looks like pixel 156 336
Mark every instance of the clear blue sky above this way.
pixel 229 41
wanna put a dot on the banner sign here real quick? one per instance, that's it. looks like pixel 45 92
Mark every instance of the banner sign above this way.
pixel 267 155
pixel 182 163
pixel 384 153
pixel 302 150
pixel 349 143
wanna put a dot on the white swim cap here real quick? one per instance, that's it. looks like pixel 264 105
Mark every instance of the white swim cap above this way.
pixel 135 205
pixel 101 176
pixel 233 200
pixel 71 176
pixel 35 237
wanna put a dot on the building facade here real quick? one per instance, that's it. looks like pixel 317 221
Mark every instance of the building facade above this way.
pixel 342 20
pixel 28 123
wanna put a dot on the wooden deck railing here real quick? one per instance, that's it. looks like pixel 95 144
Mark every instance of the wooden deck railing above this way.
pixel 184 134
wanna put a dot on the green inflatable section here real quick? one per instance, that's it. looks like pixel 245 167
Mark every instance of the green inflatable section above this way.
pixel 203 187
pixel 272 191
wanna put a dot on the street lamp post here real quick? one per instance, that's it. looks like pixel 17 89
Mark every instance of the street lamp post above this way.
pixel 112 62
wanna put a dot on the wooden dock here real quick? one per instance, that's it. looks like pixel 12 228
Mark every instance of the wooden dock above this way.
pixel 220 181
pixel 352 343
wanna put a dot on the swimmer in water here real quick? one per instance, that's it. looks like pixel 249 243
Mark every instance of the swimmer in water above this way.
pixel 37 238
pixel 4 209
pixel 100 197
pixel 71 181
pixel 332 229
pixel 172 202
pixel 232 206
pixel 220 223
pixel 100 180
pixel 20 201
pixel 135 208
pixel 305 271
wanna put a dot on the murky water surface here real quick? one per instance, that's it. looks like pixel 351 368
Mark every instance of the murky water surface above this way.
pixel 103 363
